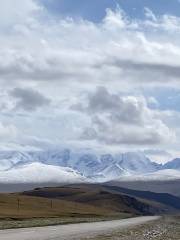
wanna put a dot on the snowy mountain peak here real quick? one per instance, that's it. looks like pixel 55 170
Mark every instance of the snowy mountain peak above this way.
pixel 174 164
pixel 137 162
pixel 96 167
pixel 40 173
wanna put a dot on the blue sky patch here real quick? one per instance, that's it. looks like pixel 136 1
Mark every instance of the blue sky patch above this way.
pixel 94 10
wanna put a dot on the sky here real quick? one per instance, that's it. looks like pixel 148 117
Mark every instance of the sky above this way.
pixel 91 74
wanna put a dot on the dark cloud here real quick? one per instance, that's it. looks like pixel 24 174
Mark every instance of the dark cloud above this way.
pixel 57 68
pixel 156 72
pixel 128 110
pixel 121 120
pixel 155 152
pixel 118 134
pixel 29 99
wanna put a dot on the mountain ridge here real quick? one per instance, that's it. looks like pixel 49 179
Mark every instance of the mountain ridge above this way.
pixel 87 165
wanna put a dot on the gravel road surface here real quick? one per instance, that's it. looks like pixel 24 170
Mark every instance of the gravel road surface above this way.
pixel 72 231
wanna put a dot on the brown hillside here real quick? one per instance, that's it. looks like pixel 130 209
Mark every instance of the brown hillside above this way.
pixel 96 196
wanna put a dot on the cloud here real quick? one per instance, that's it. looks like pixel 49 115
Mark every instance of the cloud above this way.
pixel 47 58
pixel 7 130
pixel 118 49
pixel 118 108
pixel 149 14
pixel 157 71
pixel 122 120
pixel 29 99
pixel 160 156
pixel 16 11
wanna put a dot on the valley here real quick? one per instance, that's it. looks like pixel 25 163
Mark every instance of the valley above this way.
pixel 63 187
pixel 80 203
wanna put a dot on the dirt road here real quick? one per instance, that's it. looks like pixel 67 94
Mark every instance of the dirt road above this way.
pixel 72 231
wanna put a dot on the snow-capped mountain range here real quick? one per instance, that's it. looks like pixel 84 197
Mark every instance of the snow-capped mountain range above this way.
pixel 65 165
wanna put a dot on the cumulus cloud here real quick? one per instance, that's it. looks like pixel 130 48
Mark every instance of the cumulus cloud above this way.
pixel 15 12
pixel 118 49
pixel 118 108
pixel 161 156
pixel 29 99
pixel 122 120
pixel 63 58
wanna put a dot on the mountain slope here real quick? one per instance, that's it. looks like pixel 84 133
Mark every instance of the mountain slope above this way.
pixel 40 173
pixel 163 198
pixel 165 186
pixel 161 175
pixel 18 206
pixel 174 164
pixel 137 162
pixel 97 167
pixel 99 196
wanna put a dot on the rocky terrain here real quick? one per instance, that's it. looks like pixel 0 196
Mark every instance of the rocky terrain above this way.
pixel 167 228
